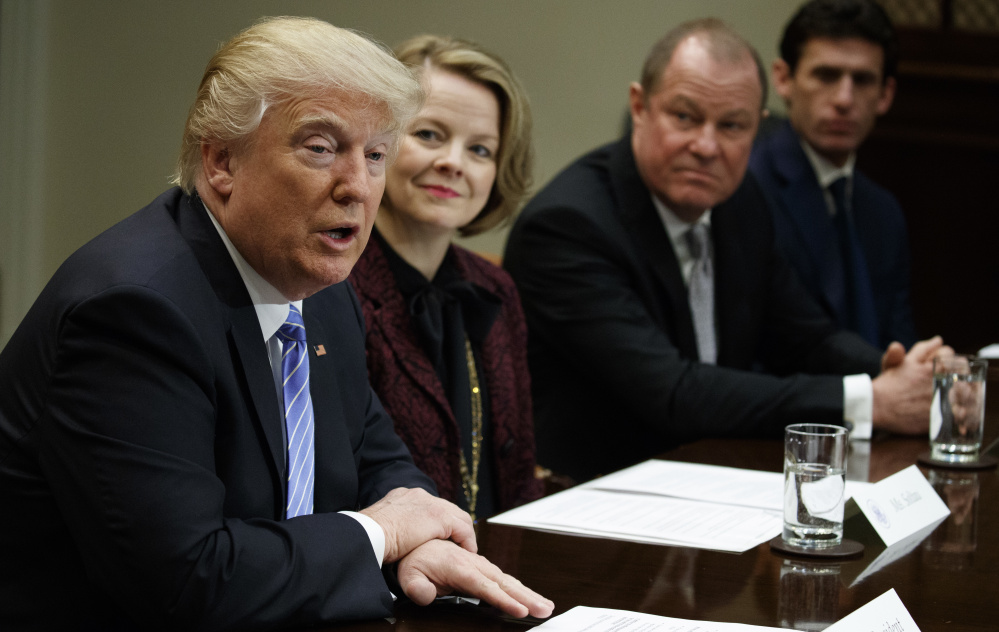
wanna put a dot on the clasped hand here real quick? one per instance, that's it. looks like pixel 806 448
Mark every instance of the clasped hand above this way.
pixel 904 389
pixel 434 542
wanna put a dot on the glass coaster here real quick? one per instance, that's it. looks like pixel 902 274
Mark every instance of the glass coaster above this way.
pixel 846 548
pixel 984 462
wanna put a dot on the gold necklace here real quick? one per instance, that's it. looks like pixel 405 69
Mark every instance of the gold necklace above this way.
pixel 470 481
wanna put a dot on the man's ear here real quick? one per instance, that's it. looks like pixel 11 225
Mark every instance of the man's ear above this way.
pixel 217 164
pixel 887 96
pixel 636 102
pixel 783 78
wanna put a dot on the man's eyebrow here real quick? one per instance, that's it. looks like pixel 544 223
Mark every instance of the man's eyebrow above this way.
pixel 327 120
pixel 738 112
pixel 682 100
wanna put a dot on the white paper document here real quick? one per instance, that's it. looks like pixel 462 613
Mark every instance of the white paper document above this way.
pixel 708 483
pixel 668 502
pixel 583 618
pixel 648 518
pixel 885 613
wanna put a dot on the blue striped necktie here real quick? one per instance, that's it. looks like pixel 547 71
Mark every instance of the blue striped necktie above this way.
pixel 297 414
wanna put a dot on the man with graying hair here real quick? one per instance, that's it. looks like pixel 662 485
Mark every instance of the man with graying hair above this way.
pixel 187 436
pixel 658 309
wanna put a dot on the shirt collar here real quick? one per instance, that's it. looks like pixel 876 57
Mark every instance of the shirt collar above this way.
pixel 410 280
pixel 270 304
pixel 825 171
pixel 676 228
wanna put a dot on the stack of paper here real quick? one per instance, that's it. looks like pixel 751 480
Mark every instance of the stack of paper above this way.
pixel 883 613
pixel 666 502
pixel 581 619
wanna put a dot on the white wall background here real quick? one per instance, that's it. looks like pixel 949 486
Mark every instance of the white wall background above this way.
pixel 93 95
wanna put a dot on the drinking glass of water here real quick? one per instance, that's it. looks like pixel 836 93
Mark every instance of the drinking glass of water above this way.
pixel 814 484
pixel 957 415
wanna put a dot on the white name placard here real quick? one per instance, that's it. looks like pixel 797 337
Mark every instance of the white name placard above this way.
pixel 882 614
pixel 900 505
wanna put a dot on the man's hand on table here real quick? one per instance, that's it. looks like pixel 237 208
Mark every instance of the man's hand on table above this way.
pixel 412 517
pixel 439 568
pixel 904 389
pixel 434 542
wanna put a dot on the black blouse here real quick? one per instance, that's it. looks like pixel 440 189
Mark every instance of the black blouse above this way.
pixel 443 311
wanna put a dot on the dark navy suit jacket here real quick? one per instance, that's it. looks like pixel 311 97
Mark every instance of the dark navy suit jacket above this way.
pixel 805 231
pixel 142 469
pixel 611 341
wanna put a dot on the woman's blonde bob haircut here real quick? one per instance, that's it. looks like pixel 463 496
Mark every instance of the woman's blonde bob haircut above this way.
pixel 281 58
pixel 515 160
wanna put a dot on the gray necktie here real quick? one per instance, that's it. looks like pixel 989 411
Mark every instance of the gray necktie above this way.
pixel 701 291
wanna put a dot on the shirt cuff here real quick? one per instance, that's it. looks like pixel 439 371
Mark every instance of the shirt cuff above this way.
pixel 375 533
pixel 858 405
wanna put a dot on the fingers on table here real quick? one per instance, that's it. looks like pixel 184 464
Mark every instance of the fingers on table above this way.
pixel 417 587
pixel 480 578
pixel 447 568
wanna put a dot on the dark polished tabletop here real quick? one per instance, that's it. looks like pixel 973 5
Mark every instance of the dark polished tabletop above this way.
pixel 948 581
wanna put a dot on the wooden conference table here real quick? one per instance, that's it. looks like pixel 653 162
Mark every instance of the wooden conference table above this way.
pixel 949 581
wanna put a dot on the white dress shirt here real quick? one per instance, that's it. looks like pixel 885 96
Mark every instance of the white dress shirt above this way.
pixel 272 310
pixel 827 173
pixel 858 392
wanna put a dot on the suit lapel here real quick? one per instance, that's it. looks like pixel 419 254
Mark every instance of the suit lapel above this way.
pixel 249 353
pixel 803 203
pixel 252 356
pixel 732 281
pixel 642 221
pixel 332 442
pixel 869 232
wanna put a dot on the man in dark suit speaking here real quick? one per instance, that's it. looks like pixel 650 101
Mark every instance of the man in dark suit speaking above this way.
pixel 187 436
pixel 658 309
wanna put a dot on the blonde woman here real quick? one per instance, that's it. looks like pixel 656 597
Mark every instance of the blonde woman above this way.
pixel 446 335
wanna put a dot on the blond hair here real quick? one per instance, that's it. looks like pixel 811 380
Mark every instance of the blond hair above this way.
pixel 281 58
pixel 515 159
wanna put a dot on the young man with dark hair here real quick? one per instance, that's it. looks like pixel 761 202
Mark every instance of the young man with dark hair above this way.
pixel 844 235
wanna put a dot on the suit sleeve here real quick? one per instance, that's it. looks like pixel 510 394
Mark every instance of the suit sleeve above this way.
pixel 799 337
pixel 128 448
pixel 579 292
pixel 385 463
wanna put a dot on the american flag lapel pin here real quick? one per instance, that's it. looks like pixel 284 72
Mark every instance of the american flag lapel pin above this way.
pixel 320 350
